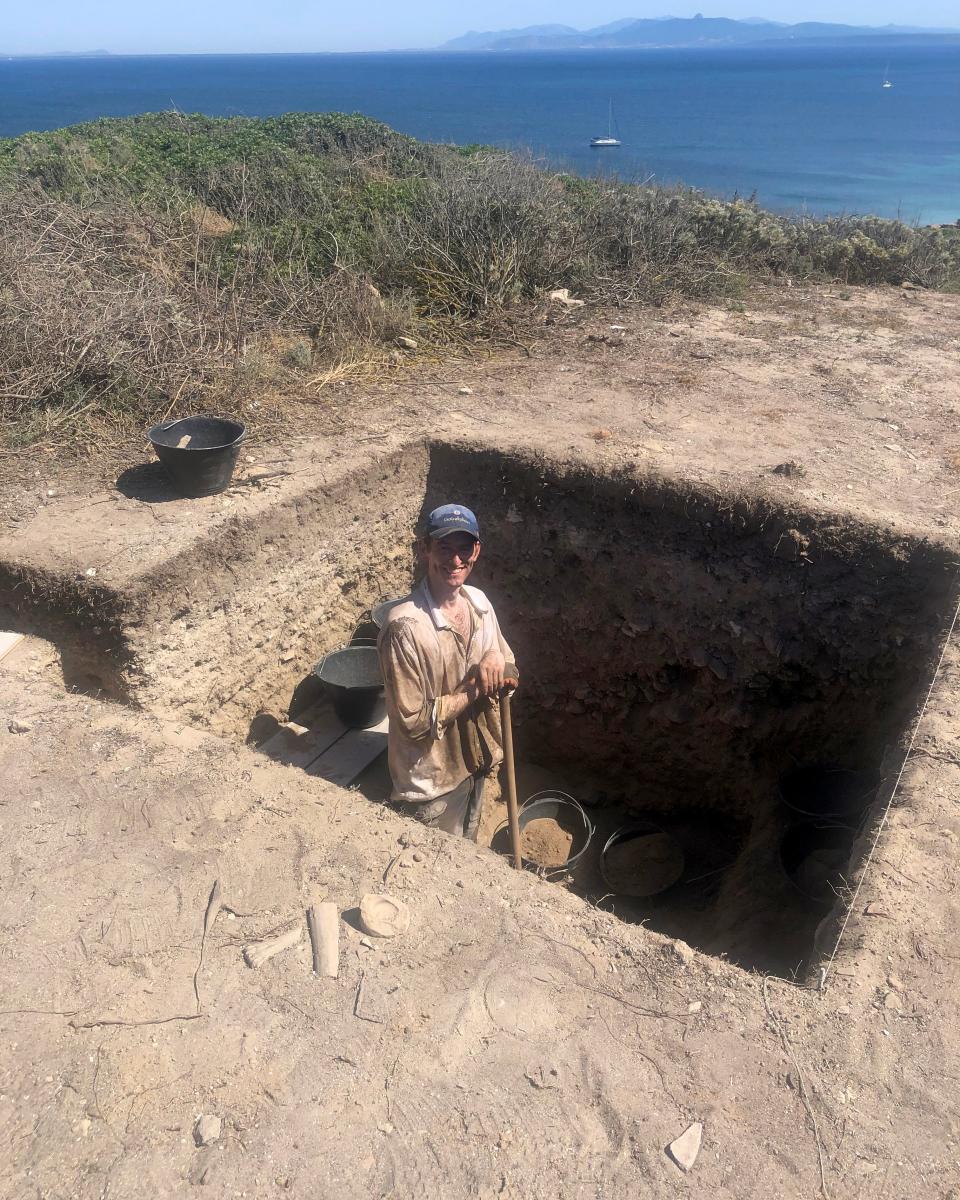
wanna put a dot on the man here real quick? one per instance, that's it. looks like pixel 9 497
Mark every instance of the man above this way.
pixel 444 663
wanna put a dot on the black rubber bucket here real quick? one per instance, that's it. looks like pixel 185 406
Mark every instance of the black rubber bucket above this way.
pixel 556 806
pixel 828 793
pixel 815 857
pixel 354 680
pixel 641 859
pixel 204 466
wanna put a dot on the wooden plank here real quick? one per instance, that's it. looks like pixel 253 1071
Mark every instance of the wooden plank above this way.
pixel 342 762
pixel 7 643
pixel 300 742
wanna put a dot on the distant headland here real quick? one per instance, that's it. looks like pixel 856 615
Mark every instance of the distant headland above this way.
pixel 630 33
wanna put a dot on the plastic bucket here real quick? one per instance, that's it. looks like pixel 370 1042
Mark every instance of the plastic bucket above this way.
pixel 354 680
pixel 827 792
pixel 556 806
pixel 815 856
pixel 204 465
pixel 641 859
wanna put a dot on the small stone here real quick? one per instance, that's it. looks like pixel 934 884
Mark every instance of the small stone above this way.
pixel 679 951
pixel 686 1147
pixel 562 296
pixel 207 1130
pixel 90 572
pixel 893 1002
pixel 382 916
pixel 694 1006
pixel 601 435
pixel 407 343
pixel 51 492
pixel 790 470
pixel 385 1127
pixel 418 856
pixel 464 391
pixel 843 1010
pixel 16 726
pixel 790 1081
pixel 895 982
pixel 874 909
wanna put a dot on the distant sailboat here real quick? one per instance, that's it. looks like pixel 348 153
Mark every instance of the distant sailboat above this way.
pixel 886 77
pixel 599 143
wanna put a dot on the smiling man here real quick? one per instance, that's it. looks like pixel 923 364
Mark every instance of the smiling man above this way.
pixel 444 663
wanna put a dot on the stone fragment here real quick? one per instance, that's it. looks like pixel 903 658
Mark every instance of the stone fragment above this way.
pixel 464 391
pixel 382 916
pixel 895 982
pixel 207 1130
pixel 16 726
pixel 892 1002
pixel 686 1147
pixel 694 1006
pixel 562 296
pixel 679 951
pixel 407 343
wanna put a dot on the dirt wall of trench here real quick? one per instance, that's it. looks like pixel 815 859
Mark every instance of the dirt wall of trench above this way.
pixel 230 625
pixel 693 644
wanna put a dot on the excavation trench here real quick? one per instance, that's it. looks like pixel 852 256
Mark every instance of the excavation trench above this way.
pixel 681 650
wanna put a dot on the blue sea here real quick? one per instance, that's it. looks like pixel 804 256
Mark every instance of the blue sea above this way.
pixel 803 128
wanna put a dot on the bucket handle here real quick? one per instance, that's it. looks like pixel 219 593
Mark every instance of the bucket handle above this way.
pixel 555 794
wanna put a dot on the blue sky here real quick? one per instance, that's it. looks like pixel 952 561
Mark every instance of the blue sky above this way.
pixel 290 25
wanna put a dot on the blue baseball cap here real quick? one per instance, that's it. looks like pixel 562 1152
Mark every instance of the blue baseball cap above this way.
pixel 452 518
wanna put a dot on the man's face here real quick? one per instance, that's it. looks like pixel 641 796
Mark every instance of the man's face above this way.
pixel 450 559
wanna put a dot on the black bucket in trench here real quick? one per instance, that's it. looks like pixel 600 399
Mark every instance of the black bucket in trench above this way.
pixel 642 859
pixel 354 680
pixel 815 857
pixel 198 453
pixel 827 792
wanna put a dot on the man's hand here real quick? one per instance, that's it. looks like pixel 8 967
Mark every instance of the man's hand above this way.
pixel 489 673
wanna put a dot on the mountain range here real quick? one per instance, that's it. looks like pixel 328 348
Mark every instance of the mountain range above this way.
pixel 674 31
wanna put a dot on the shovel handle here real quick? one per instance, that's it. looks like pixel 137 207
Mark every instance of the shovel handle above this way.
pixel 513 812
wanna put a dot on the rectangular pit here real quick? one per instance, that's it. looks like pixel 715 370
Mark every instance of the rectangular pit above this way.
pixel 680 647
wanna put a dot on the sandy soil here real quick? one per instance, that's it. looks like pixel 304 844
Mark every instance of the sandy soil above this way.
pixel 516 1041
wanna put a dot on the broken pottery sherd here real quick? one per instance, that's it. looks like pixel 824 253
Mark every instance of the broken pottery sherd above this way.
pixel 684 1149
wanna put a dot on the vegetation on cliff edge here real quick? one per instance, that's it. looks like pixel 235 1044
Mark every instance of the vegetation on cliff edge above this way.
pixel 166 262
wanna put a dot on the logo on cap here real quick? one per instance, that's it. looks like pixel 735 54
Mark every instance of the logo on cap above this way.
pixel 452 518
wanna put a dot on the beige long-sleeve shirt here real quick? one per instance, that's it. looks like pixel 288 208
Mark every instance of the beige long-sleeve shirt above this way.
pixel 423 660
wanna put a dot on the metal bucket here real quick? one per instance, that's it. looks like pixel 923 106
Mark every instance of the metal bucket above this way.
pixel 354 680
pixel 827 793
pixel 378 613
pixel 656 863
pixel 204 466
pixel 557 806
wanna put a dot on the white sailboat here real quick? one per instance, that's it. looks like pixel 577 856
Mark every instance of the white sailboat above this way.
pixel 886 77
pixel 599 143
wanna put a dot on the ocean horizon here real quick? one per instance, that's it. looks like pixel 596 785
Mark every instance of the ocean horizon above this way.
pixel 802 128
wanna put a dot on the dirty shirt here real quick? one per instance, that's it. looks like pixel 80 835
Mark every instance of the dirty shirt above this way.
pixel 424 659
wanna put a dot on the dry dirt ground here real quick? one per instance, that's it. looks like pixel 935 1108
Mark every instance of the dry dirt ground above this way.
pixel 517 1041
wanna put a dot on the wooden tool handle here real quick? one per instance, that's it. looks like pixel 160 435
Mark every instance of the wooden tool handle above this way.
pixel 513 812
